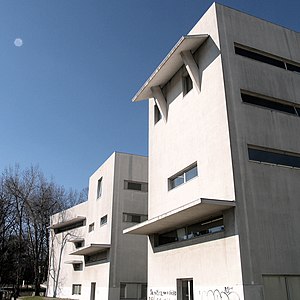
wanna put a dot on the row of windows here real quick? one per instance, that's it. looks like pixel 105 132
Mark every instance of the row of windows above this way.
pixel 267 58
pixel 275 104
pixel 128 185
pixel 210 226
pixel 272 156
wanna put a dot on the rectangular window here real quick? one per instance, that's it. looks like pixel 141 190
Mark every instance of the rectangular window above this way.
pixel 183 176
pixel 209 226
pixel 134 218
pixel 76 289
pixel 185 289
pixel 99 188
pixel 92 227
pixel 157 114
pixel 136 186
pixel 77 267
pixel 267 58
pixel 268 103
pixel 293 68
pixel 131 291
pixel 276 157
pixel 187 83
pixel 96 258
pixel 103 220
pixel 79 244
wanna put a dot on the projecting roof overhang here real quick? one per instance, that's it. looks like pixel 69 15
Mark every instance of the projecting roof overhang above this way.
pixel 67 222
pixel 187 214
pixel 91 249
pixel 72 262
pixel 76 240
pixel 170 65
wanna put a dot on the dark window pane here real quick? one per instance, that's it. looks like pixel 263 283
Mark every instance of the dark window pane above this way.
pixel 187 84
pixel 136 219
pixel 274 158
pixel 293 68
pixel 157 114
pixel 167 238
pixel 298 111
pixel 259 57
pixel 177 181
pixel 268 103
pixel 191 173
pixel 134 186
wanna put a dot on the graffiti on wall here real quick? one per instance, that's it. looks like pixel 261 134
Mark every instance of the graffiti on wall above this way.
pixel 226 293
pixel 162 294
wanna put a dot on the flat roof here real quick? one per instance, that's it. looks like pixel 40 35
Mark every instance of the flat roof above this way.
pixel 91 249
pixel 170 65
pixel 67 222
pixel 184 215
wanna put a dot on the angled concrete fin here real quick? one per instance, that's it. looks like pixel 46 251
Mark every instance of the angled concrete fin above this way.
pixel 160 101
pixel 191 67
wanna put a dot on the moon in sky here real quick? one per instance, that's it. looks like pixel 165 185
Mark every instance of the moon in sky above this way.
pixel 18 42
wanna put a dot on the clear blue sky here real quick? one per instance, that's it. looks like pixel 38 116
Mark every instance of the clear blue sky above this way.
pixel 66 92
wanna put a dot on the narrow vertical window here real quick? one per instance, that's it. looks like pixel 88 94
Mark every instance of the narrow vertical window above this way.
pixel 187 84
pixel 157 114
pixel 103 220
pixel 99 188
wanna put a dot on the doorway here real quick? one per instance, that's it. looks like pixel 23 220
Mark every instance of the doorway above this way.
pixel 185 289
pixel 93 290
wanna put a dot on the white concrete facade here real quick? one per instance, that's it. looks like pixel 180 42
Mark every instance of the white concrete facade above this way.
pixel 227 148
pixel 94 259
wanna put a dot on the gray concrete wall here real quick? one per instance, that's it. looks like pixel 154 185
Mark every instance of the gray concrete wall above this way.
pixel 128 252
pixel 267 196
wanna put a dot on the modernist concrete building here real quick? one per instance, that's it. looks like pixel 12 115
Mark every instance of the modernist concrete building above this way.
pixel 224 159
pixel 90 258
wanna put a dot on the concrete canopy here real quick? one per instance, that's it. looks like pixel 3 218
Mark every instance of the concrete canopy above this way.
pixel 170 65
pixel 184 215
pixel 72 262
pixel 67 222
pixel 91 249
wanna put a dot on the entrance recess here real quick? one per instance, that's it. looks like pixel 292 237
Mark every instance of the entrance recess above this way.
pixel 93 290
pixel 185 289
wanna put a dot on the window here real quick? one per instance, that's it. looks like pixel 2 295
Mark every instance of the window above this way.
pixel 271 104
pixel 79 244
pixel 76 289
pixel 77 267
pixel 157 114
pixel 92 227
pixel 209 226
pixel 99 188
pixel 267 58
pixel 185 290
pixel 137 291
pixel 134 218
pixel 96 258
pixel 183 176
pixel 272 156
pixel 279 287
pixel 187 83
pixel 103 220
pixel 136 186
